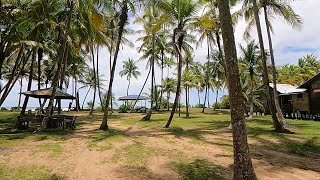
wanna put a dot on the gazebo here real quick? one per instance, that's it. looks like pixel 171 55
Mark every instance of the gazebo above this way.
pixel 134 98
pixel 46 94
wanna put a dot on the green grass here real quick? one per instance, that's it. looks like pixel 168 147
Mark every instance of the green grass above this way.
pixel 104 140
pixel 135 155
pixel 54 149
pixel 27 173
pixel 198 169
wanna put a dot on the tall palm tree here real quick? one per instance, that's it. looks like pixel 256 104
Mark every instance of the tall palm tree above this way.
pixel 243 168
pixel 169 87
pixel 130 70
pixel 180 13
pixel 277 125
pixel 250 57
pixel 124 6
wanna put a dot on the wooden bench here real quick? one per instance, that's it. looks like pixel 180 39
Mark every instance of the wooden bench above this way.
pixel 69 121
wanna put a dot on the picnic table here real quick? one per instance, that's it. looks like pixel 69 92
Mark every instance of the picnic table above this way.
pixel 54 121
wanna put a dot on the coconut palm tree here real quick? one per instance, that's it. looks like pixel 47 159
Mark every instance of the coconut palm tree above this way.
pixel 169 87
pixel 243 168
pixel 124 6
pixel 130 70
pixel 250 57
pixel 180 13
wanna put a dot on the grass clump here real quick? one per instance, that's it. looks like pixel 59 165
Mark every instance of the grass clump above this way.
pixel 26 173
pixel 54 149
pixel 308 148
pixel 198 169
pixel 135 155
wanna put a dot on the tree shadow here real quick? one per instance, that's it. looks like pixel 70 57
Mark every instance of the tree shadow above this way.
pixel 201 169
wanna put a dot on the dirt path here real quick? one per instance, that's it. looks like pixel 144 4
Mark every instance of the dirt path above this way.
pixel 143 153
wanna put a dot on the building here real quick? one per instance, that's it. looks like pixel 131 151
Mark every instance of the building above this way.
pixel 299 102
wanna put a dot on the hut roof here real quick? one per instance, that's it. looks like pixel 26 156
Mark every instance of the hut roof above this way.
pixel 46 93
pixel 286 89
pixel 133 97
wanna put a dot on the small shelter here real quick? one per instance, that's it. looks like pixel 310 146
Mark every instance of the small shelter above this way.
pixel 46 94
pixel 135 98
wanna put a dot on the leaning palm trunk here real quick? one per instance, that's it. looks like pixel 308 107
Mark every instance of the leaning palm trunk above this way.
pixel 277 126
pixel 58 72
pixel 85 97
pixel 178 51
pixel 147 117
pixel 144 84
pixel 122 23
pixel 274 76
pixel 242 168
pixel 26 99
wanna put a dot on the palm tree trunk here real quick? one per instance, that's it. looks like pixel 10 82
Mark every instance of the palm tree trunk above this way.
pixel 20 91
pixel 187 105
pixel 40 55
pixel 251 99
pixel 205 99
pixel 122 22
pixel 178 50
pixel 162 67
pixel 98 79
pixel 85 97
pixel 95 81
pixel 217 93
pixel 199 96
pixel 208 96
pixel 56 77
pixel 274 73
pixel 147 117
pixel 26 99
pixel 168 101
pixel 242 168
pixel 276 123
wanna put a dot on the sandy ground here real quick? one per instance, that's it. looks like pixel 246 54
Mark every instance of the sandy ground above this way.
pixel 79 161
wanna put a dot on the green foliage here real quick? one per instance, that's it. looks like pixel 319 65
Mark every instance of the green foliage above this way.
pixel 224 102
pixel 123 108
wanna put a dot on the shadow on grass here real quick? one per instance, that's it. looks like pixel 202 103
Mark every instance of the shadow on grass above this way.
pixel 200 169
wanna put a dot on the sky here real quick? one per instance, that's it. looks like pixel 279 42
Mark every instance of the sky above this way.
pixel 289 46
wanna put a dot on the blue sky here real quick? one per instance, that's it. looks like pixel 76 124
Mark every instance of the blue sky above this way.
pixel 289 46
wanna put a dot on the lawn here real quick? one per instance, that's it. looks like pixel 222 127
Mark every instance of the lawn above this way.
pixel 199 147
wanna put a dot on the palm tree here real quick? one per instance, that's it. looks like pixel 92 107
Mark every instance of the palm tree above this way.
pixel 277 125
pixel 180 13
pixel 130 70
pixel 243 168
pixel 169 87
pixel 124 7
pixel 250 57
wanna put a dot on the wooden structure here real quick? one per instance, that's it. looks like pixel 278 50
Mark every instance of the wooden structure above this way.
pixel 310 101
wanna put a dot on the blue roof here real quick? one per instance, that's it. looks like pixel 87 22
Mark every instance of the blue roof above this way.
pixel 133 97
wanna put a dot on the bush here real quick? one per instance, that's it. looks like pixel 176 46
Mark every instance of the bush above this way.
pixel 198 106
pixel 123 108
pixel 217 105
pixel 3 109
pixel 225 103
pixel 15 108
